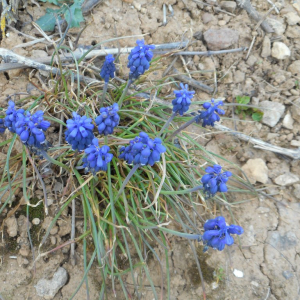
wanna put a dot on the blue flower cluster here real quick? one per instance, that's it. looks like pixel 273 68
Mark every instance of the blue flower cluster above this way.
pixel 210 115
pixel 80 132
pixel 31 128
pixel 108 119
pixel 142 150
pixel 217 234
pixel 96 158
pixel 12 116
pixel 139 59
pixel 108 69
pixel 2 126
pixel 215 181
pixel 182 101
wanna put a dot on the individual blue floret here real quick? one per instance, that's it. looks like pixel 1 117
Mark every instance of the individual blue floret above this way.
pixel 96 158
pixel 183 98
pixel 79 133
pixel 142 150
pixel 139 59
pixel 215 181
pixel 11 116
pixel 108 119
pixel 217 233
pixel 2 126
pixel 31 129
pixel 210 115
pixel 108 69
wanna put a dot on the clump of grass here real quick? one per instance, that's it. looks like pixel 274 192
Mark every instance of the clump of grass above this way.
pixel 125 223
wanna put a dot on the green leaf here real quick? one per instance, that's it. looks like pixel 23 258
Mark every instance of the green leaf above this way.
pixel 257 116
pixel 76 12
pixel 243 99
pixel 47 22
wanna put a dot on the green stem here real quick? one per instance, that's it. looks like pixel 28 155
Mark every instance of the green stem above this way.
pixel 104 93
pixel 128 178
pixel 194 189
pixel 167 124
pixel 129 82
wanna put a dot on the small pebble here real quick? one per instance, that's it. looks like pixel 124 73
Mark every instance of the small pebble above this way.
pixel 36 221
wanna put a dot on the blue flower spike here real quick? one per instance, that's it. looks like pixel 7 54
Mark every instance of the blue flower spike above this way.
pixel 12 116
pixel 139 59
pixel 217 233
pixel 143 150
pixel 79 133
pixel 108 119
pixel 108 69
pixel 183 98
pixel 211 113
pixel 96 158
pixel 215 181
pixel 2 126
pixel 31 129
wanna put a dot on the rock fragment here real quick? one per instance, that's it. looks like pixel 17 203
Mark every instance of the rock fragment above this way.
pixel 12 226
pixel 266 47
pixel 280 50
pixel 286 179
pixel 48 288
pixel 273 111
pixel 228 6
pixel 288 121
pixel 256 170
pixel 218 39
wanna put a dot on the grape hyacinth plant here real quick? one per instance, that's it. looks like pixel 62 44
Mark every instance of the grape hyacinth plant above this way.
pixel 217 233
pixel 79 133
pixel 12 116
pixel 108 119
pixel 107 71
pixel 2 126
pixel 31 129
pixel 138 62
pixel 181 103
pixel 208 117
pixel 215 181
pixel 96 158
pixel 211 113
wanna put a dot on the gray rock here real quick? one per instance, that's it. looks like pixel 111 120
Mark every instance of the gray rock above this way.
pixel 49 288
pixel 294 67
pixel 228 6
pixel 198 35
pixel 266 47
pixel 251 60
pixel 256 170
pixel 288 121
pixel 286 179
pixel 280 50
pixel 296 109
pixel 273 111
pixel 207 17
pixel 279 27
pixel 218 39
pixel 292 18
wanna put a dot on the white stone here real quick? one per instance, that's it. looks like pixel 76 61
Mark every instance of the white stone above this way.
pixel 280 50
pixel 256 170
pixel 36 221
pixel 49 288
pixel 137 5
pixel 273 111
pixel 288 121
pixel 238 273
pixel 286 179
pixel 292 18
pixel 295 143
